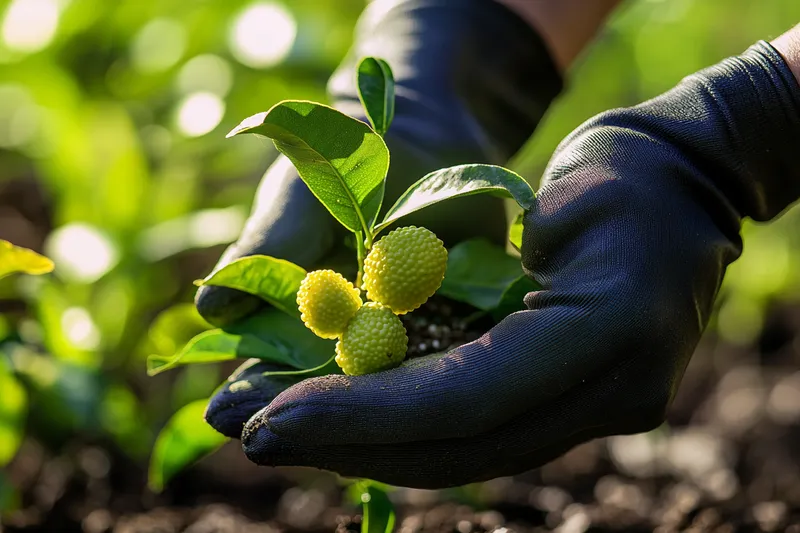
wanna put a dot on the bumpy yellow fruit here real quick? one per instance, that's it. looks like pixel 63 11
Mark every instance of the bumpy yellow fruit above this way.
pixel 327 302
pixel 374 340
pixel 405 268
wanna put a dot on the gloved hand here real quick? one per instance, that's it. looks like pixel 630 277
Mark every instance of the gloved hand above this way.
pixel 473 81
pixel 638 217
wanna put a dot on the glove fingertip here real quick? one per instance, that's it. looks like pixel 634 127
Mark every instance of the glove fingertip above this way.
pixel 228 416
pixel 245 393
pixel 222 306
pixel 261 445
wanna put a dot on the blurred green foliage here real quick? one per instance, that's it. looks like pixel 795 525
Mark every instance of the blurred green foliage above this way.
pixel 113 162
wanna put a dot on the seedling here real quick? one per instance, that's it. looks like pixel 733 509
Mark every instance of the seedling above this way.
pixel 344 162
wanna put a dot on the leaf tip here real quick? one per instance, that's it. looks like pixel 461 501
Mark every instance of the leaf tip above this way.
pixel 248 124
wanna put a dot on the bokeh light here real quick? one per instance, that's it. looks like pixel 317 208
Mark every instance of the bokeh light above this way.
pixel 199 113
pixel 81 252
pixel 80 329
pixel 30 25
pixel 205 73
pixel 158 45
pixel 262 35
pixel 19 116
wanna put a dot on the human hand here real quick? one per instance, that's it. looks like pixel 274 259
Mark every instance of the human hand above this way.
pixel 636 221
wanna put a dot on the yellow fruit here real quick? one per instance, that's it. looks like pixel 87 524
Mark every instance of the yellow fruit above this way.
pixel 405 268
pixel 375 339
pixel 327 302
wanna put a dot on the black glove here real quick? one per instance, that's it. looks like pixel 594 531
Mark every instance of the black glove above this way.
pixel 638 217
pixel 473 81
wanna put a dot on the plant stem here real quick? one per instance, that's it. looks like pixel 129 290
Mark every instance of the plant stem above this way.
pixel 299 372
pixel 361 247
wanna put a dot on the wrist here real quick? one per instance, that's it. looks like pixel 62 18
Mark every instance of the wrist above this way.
pixel 566 26
pixel 788 45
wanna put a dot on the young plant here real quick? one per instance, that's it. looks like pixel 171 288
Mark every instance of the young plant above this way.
pixel 344 162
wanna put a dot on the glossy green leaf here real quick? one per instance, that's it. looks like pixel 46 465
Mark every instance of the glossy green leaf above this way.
pixel 13 409
pixel 515 231
pixel 341 159
pixel 512 299
pixel 479 273
pixel 454 182
pixel 376 91
pixel 273 327
pixel 268 335
pixel 15 259
pixel 184 440
pixel 215 346
pixel 273 280
pixel 378 510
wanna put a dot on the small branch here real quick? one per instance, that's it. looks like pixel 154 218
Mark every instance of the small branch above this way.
pixel 362 254
pixel 299 372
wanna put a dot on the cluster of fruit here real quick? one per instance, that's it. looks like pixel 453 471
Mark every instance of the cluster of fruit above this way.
pixel 401 271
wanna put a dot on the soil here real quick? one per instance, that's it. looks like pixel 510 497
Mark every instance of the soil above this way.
pixel 729 460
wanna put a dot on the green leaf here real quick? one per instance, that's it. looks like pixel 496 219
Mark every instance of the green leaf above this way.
pixel 268 335
pixel 274 280
pixel 515 231
pixel 13 408
pixel 216 345
pixel 378 511
pixel 512 299
pixel 376 91
pixel 15 259
pixel 185 439
pixel 273 327
pixel 341 159
pixel 454 182
pixel 479 273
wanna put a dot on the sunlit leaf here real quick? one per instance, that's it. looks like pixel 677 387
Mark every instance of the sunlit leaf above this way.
pixel 184 440
pixel 479 273
pixel 268 335
pixel 454 182
pixel 515 231
pixel 376 91
pixel 13 408
pixel 274 280
pixel 15 259
pixel 341 159
pixel 215 346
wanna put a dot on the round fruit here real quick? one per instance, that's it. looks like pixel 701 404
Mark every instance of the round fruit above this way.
pixel 327 302
pixel 405 268
pixel 374 340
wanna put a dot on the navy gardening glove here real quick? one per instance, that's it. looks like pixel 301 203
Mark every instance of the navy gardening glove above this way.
pixel 638 217
pixel 472 83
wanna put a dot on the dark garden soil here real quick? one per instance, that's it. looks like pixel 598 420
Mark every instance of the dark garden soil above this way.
pixel 730 461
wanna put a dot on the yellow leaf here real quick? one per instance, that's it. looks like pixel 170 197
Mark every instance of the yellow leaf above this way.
pixel 16 259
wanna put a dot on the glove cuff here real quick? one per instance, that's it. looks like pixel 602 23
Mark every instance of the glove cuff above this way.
pixel 469 73
pixel 758 97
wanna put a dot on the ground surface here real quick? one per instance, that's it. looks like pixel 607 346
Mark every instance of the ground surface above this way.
pixel 729 461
